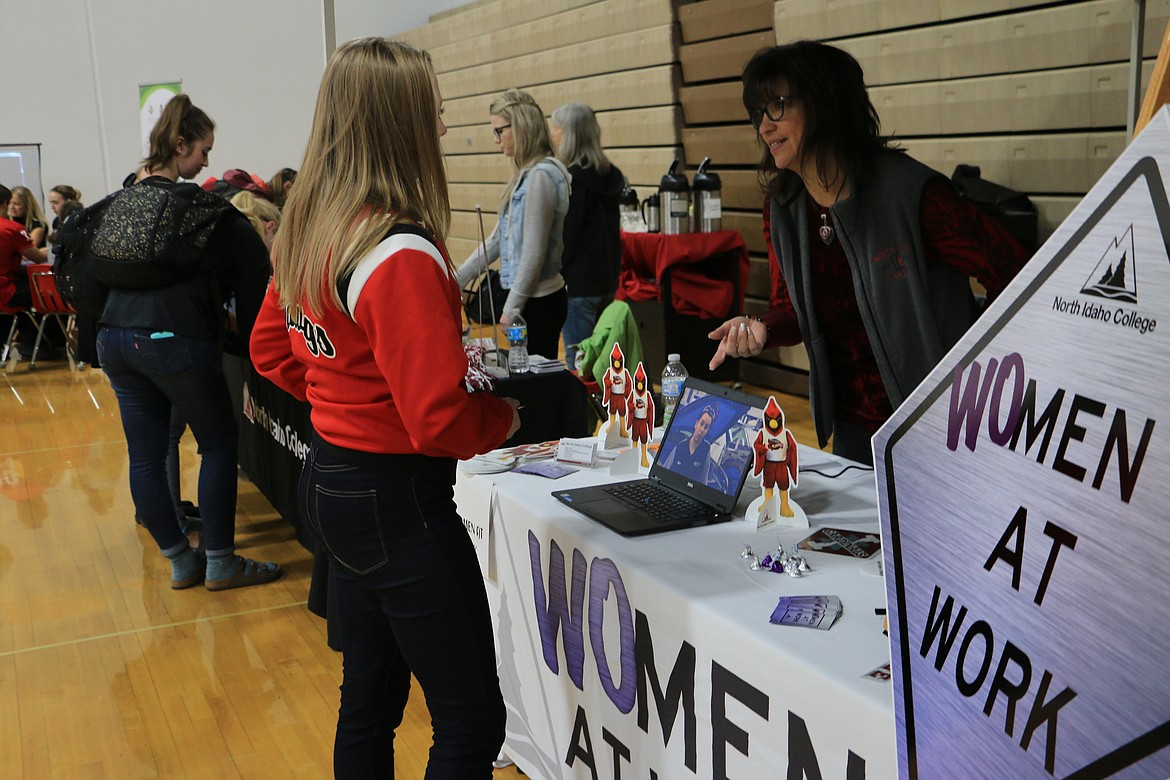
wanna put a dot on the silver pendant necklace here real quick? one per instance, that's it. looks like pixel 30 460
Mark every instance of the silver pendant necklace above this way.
pixel 826 230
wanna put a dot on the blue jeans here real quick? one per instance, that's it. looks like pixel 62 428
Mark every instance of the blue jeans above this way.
pixel 174 470
pixel 149 376
pixel 580 321
pixel 409 598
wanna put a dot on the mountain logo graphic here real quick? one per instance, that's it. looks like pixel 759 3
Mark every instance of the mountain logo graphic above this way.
pixel 1115 276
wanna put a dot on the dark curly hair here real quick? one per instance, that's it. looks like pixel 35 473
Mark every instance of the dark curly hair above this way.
pixel 841 126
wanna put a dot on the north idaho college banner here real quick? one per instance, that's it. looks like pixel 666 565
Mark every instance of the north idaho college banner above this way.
pixel 1025 507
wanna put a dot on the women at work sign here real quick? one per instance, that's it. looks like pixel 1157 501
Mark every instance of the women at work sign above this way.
pixel 1025 507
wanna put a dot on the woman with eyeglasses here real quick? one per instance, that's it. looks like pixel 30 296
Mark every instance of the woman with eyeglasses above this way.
pixel 528 238
pixel 871 252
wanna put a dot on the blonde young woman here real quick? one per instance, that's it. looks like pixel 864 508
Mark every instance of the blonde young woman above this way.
pixel 363 320
pixel 263 215
pixel 24 209
pixel 527 239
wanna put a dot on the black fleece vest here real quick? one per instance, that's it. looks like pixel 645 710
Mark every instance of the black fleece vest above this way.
pixel 913 313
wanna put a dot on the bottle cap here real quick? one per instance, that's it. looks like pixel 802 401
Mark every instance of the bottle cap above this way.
pixel 673 357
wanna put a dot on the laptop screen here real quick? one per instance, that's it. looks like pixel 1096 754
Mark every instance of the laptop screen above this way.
pixel 709 441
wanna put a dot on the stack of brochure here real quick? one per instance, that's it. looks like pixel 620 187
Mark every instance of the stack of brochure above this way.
pixel 809 611
pixel 491 463
pixel 538 364
pixel 504 460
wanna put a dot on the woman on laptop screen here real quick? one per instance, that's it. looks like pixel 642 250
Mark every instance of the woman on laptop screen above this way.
pixel 691 456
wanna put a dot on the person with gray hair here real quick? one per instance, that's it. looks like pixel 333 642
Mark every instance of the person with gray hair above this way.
pixel 592 235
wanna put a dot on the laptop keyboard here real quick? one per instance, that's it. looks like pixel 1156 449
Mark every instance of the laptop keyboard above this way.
pixel 657 501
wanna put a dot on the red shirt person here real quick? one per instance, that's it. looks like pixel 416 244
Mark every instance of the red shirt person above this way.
pixel 15 245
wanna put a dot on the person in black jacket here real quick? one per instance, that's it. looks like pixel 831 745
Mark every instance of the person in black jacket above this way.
pixel 160 346
pixel 592 236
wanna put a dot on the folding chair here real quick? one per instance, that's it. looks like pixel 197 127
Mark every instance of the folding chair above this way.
pixel 48 304
pixel 8 353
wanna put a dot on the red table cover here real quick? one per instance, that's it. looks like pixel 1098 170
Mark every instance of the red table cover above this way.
pixel 706 293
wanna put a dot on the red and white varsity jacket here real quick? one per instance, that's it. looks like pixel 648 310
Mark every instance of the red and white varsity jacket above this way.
pixel 389 378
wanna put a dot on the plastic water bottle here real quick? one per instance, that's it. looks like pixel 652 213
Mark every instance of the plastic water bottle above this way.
pixel 673 376
pixel 517 333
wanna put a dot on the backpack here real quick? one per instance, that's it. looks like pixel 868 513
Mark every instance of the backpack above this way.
pixel 1012 209
pixel 140 237
pixel 484 298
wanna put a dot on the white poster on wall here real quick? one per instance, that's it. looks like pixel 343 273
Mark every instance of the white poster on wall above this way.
pixel 20 165
pixel 152 98
pixel 1024 491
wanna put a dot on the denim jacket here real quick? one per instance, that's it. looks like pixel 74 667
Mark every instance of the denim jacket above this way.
pixel 511 223
pixel 525 271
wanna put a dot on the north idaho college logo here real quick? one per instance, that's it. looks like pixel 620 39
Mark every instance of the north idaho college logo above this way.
pixel 1115 276
pixel 1114 279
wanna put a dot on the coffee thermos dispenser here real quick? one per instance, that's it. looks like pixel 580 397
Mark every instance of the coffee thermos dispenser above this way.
pixel 674 192
pixel 707 199
pixel 652 213
pixel 630 218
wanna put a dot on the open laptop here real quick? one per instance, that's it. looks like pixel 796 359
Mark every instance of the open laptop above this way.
pixel 703 460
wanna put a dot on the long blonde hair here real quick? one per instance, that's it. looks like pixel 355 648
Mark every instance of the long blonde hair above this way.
pixel 256 210
pixel 529 130
pixel 373 159
pixel 32 208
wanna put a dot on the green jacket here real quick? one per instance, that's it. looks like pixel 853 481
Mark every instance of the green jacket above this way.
pixel 615 325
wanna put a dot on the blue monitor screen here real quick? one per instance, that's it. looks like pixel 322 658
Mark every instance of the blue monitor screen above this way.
pixel 709 440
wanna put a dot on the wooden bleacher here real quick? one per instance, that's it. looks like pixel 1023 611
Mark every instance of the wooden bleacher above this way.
pixel 1033 92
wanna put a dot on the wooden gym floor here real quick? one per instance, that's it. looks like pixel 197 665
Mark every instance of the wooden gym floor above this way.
pixel 105 672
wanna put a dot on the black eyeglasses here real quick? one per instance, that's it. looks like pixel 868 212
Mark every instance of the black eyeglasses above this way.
pixel 499 131
pixel 773 109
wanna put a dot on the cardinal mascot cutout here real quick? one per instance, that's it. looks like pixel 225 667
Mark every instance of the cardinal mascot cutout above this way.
pixel 616 390
pixel 775 464
pixel 640 413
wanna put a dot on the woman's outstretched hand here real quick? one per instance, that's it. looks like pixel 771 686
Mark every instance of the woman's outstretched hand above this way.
pixel 738 337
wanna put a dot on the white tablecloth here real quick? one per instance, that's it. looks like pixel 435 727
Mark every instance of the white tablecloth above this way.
pixel 659 657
